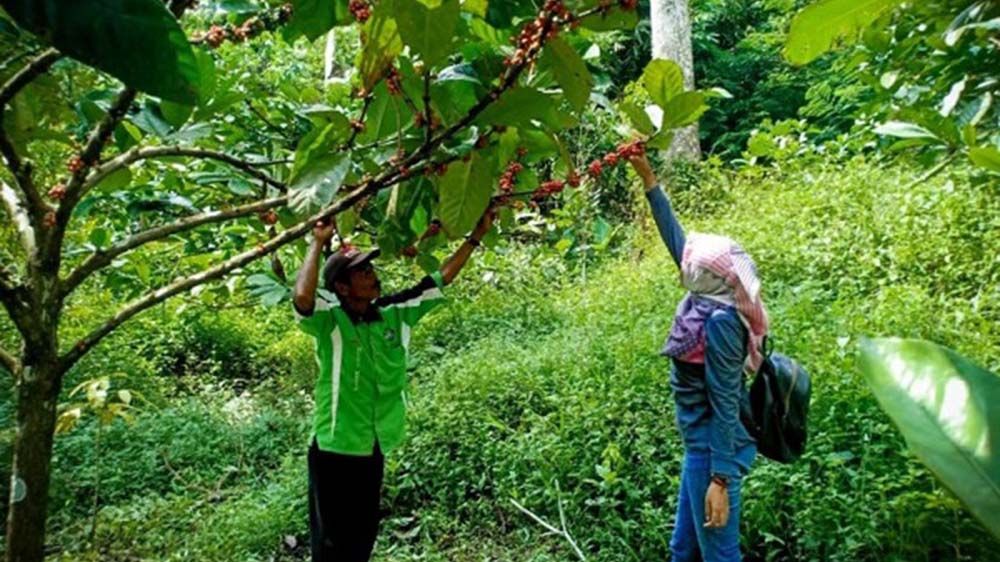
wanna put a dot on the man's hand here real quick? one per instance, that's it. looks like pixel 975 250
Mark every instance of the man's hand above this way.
pixel 645 171
pixel 304 295
pixel 716 506
pixel 323 231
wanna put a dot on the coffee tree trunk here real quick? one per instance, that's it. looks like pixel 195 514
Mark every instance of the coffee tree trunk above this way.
pixel 37 386
pixel 37 396
pixel 671 24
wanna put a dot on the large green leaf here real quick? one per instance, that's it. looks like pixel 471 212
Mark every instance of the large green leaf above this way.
pixel 386 116
pixel 314 186
pixel 520 106
pixel 269 290
pixel 320 141
pixel 663 81
pixel 683 109
pixel 501 13
pixel 465 192
pixel 819 26
pixel 454 94
pixel 313 18
pixel 136 41
pixel 570 71
pixel 661 140
pixel 380 46
pixel 477 7
pixel 427 31
pixel 986 157
pixel 948 409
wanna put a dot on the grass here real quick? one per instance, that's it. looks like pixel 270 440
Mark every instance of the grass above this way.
pixel 538 376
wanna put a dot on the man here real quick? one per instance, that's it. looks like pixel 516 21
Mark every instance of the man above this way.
pixel 361 349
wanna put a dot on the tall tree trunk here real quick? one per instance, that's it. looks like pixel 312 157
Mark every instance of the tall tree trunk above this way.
pixel 671 25
pixel 37 390
pixel 37 397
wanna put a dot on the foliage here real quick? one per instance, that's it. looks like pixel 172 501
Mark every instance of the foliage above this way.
pixel 818 27
pixel 942 404
pixel 931 65
pixel 137 41
pixel 737 46
pixel 229 144
pixel 504 401
pixel 442 101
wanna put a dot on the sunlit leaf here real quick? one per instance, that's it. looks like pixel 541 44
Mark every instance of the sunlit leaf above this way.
pixel 519 107
pixel 904 130
pixel 638 117
pixel 948 409
pixel 380 46
pixel 67 420
pixel 315 185
pixel 821 25
pixel 663 79
pixel 313 18
pixel 986 157
pixel 683 109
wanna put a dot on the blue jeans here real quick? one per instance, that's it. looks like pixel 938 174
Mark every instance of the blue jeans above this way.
pixel 691 541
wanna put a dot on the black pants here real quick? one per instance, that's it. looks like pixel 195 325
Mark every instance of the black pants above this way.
pixel 344 493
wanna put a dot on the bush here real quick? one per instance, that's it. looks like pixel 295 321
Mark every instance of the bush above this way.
pixel 540 371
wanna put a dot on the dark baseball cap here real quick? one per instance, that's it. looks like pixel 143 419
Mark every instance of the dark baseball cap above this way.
pixel 344 260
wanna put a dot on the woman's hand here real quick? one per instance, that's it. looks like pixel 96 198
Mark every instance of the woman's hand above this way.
pixel 645 171
pixel 716 506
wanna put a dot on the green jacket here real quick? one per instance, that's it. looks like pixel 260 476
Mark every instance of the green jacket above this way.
pixel 359 394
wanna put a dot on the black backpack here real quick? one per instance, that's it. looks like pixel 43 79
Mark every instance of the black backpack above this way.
pixel 778 407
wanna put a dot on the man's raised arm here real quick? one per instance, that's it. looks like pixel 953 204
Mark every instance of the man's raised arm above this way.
pixel 457 261
pixel 304 295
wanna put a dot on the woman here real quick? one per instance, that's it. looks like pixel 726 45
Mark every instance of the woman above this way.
pixel 716 335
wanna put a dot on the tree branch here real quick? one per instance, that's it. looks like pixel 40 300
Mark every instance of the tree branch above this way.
pixel 153 298
pixel 366 188
pixel 6 283
pixel 102 258
pixel 937 169
pixel 20 170
pixel 355 130
pixel 22 223
pixel 507 79
pixel 8 288
pixel 271 125
pixel 136 154
pixel 35 67
pixel 77 186
pixel 428 113
pixel 9 362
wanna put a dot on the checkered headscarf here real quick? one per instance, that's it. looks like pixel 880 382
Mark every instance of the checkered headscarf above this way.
pixel 718 268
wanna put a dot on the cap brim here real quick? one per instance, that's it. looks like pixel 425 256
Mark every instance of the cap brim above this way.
pixel 364 258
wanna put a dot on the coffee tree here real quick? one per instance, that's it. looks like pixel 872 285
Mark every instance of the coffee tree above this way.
pixel 145 156
pixel 931 66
